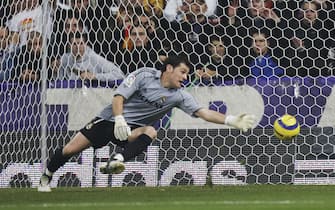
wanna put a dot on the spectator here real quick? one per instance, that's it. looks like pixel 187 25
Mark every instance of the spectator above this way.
pixel 220 62
pixel 228 12
pixel 96 16
pixel 59 43
pixel 149 23
pixel 262 63
pixel 27 62
pixel 103 27
pixel 214 63
pixel 83 63
pixel 261 13
pixel 154 7
pixel 154 32
pixel 30 19
pixel 143 53
pixel 130 16
pixel 311 40
pixel 73 24
pixel 81 6
pixel 84 11
pixel 190 35
pixel 130 13
pixel 176 10
pixel 124 22
pixel 232 16
pixel 196 12
pixel 192 28
pixel 4 41
pixel 4 52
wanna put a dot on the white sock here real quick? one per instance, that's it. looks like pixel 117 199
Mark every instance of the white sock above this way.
pixel 119 157
pixel 47 172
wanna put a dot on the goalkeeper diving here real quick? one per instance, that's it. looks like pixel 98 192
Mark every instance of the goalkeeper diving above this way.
pixel 144 97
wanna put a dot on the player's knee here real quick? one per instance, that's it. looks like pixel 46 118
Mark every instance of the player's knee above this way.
pixel 151 132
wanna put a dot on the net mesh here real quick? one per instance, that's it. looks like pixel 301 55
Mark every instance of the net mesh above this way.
pixel 260 56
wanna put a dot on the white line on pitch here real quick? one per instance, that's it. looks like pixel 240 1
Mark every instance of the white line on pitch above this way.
pixel 175 203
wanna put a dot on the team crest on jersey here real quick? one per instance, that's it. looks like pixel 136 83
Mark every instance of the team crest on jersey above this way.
pixel 129 80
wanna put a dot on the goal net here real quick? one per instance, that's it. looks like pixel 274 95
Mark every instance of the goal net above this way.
pixel 61 61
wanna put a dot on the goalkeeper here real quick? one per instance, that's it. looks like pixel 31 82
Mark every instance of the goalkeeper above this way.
pixel 144 97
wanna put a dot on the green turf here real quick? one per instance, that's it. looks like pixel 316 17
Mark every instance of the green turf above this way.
pixel 269 197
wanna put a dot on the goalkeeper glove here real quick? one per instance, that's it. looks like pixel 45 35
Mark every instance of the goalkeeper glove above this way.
pixel 242 122
pixel 121 128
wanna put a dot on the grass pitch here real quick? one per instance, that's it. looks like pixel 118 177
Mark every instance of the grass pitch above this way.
pixel 269 197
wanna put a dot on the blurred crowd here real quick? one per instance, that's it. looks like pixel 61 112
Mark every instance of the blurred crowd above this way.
pixel 100 40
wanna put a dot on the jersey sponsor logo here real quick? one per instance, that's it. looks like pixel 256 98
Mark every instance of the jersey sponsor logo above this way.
pixel 157 104
pixel 130 80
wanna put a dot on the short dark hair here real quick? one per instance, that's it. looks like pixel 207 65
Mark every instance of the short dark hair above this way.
pixel 77 35
pixel 264 31
pixel 175 60
pixel 316 4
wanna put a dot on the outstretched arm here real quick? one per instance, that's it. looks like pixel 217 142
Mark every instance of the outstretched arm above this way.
pixel 211 116
pixel 242 122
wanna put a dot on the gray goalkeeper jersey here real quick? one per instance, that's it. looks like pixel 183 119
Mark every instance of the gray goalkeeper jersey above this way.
pixel 147 101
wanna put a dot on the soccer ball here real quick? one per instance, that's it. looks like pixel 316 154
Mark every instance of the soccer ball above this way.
pixel 286 127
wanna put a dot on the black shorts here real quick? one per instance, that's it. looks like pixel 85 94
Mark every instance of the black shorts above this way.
pixel 100 132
